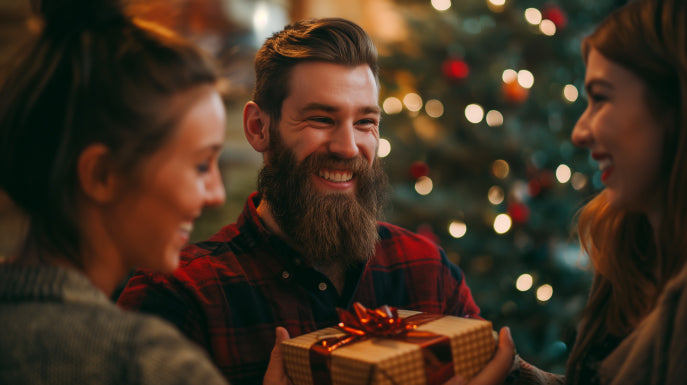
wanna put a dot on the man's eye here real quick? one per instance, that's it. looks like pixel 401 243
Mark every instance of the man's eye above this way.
pixel 321 119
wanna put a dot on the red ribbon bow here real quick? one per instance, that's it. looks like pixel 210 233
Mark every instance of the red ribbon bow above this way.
pixel 381 322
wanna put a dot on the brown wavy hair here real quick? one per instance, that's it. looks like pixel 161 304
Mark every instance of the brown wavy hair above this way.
pixel 331 40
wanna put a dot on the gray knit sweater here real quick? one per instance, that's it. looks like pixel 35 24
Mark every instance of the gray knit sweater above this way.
pixel 57 328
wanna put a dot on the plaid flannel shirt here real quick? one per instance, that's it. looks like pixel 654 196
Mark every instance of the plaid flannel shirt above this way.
pixel 232 290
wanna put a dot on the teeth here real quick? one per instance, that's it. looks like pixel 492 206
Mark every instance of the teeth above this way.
pixel 188 227
pixel 336 176
pixel 605 163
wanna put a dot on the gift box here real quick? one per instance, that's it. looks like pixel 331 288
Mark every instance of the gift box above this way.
pixel 387 346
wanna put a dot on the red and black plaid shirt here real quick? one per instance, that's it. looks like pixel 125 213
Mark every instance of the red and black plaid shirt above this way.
pixel 231 291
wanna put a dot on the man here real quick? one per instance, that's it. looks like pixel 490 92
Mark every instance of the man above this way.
pixel 308 241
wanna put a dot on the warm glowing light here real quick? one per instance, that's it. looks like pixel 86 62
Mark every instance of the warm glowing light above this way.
pixel 423 185
pixel 496 195
pixel 434 108
pixel 457 229
pixel 524 282
pixel 392 105
pixel 441 5
pixel 533 16
pixel 261 16
pixel 412 101
pixel 499 3
pixel 547 27
pixel 579 181
pixel 474 113
pixel 384 148
pixel 563 173
pixel 509 76
pixel 502 223
pixel 570 93
pixel 494 118
pixel 544 292
pixel 525 79
pixel 500 168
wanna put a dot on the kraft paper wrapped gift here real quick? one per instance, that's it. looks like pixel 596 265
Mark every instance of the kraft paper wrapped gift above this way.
pixel 420 349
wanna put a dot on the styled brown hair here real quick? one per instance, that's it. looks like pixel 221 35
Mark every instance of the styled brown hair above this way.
pixel 92 75
pixel 649 38
pixel 332 40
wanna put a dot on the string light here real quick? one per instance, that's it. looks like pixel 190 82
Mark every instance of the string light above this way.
pixel 547 27
pixel 579 181
pixel 533 16
pixel 496 195
pixel 502 223
pixel 474 113
pixel 570 93
pixel 441 5
pixel 494 118
pixel 434 108
pixel 413 102
pixel 392 105
pixel 500 168
pixel 544 292
pixel 563 173
pixel 509 76
pixel 525 79
pixel 424 185
pixel 457 229
pixel 524 282
pixel 384 148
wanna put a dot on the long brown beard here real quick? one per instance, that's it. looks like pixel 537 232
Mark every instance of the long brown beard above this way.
pixel 328 228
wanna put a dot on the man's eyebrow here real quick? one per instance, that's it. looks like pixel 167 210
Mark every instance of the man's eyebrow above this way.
pixel 318 107
pixel 371 110
pixel 329 108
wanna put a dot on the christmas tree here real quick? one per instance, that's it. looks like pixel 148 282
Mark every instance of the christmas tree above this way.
pixel 479 103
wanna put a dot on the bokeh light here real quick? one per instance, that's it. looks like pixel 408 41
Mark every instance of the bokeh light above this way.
pixel 392 105
pixel 413 102
pixel 524 282
pixel 424 185
pixel 474 113
pixel 494 118
pixel 434 108
pixel 502 223
pixel 496 195
pixel 457 229
pixel 384 148
pixel 563 173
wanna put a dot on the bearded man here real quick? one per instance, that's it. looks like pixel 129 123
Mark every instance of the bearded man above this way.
pixel 309 240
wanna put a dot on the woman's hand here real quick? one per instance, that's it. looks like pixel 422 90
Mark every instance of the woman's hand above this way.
pixel 496 371
pixel 276 375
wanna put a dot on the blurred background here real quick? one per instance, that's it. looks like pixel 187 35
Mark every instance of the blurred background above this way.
pixel 479 99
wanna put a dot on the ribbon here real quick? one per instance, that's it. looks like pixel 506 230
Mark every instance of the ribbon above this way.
pixel 384 322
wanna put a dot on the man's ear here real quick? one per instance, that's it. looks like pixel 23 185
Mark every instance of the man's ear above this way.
pixel 256 126
pixel 98 176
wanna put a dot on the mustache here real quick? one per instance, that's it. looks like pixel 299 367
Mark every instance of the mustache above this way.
pixel 317 161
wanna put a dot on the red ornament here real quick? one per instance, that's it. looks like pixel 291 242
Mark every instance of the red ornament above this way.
pixel 455 69
pixel 518 211
pixel 514 92
pixel 554 13
pixel 419 169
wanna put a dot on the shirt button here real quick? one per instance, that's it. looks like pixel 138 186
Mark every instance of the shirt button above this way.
pixel 322 286
pixel 285 274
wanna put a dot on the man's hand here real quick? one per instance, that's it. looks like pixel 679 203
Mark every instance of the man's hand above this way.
pixel 276 375
pixel 496 371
